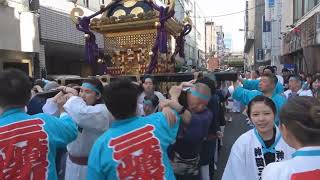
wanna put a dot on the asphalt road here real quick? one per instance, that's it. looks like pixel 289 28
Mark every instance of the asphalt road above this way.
pixel 232 131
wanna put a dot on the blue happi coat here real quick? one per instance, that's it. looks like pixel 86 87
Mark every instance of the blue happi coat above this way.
pixel 254 85
pixel 245 96
pixel 28 144
pixel 134 148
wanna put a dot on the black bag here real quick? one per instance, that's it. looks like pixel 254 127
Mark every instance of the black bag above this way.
pixel 185 167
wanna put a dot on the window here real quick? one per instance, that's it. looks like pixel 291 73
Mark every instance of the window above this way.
pixel 298 8
pixel 318 23
pixel 301 7
pixel 309 4
pixel 86 3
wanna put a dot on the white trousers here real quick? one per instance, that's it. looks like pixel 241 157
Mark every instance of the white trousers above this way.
pixel 75 171
pixel 205 173
pixel 236 106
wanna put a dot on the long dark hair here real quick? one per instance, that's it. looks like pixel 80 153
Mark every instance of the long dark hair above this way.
pixel 153 98
pixel 301 115
pixel 267 101
pixel 316 78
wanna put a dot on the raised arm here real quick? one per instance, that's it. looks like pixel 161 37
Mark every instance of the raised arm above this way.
pixel 251 84
pixel 174 104
pixel 243 95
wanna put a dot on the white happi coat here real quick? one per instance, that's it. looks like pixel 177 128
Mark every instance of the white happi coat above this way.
pixel 93 122
pixel 246 155
pixel 301 92
pixel 307 166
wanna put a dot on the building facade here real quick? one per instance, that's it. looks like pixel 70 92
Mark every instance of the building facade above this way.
pixel 19 34
pixel 262 55
pixel 228 42
pixel 211 39
pixel 274 20
pixel 53 45
pixel 61 44
pixel 260 37
pixel 235 61
pixel 301 35
pixel 199 25
pixel 249 30
pixel 195 40
pixel 220 44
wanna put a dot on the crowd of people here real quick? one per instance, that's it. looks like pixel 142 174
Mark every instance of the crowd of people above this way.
pixel 283 110
pixel 128 130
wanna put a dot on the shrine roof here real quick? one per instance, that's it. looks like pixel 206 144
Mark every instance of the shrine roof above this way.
pixel 127 15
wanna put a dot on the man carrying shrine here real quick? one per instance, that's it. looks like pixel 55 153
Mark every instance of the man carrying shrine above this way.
pixel 28 143
pixel 135 147
pixel 186 151
pixel 93 118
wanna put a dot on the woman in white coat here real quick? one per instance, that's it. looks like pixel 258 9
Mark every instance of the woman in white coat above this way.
pixel 258 147
pixel 93 118
pixel 300 126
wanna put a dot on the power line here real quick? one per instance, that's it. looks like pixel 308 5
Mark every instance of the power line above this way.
pixel 229 14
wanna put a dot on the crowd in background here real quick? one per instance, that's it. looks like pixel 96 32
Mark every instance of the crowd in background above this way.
pixel 129 130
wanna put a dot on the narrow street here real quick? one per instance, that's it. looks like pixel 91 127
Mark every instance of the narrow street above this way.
pixel 88 86
pixel 233 130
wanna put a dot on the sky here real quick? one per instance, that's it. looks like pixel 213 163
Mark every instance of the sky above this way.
pixel 231 24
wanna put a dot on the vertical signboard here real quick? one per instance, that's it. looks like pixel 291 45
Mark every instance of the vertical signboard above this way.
pixel 269 6
pixel 266 34
pixel 259 55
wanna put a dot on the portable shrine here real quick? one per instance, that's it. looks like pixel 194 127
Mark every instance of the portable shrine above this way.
pixel 138 35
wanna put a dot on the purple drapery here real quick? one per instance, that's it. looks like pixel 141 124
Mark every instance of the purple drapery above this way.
pixel 180 42
pixel 91 48
pixel 162 36
pixel 92 51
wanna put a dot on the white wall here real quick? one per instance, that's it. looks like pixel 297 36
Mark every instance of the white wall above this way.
pixel 94 4
pixel 251 56
pixel 9 29
pixel 29 32
pixel 179 11
pixel 200 26
pixel 18 30
pixel 251 15
pixel 19 5
pixel 211 38
pixel 286 18
pixel 287 14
